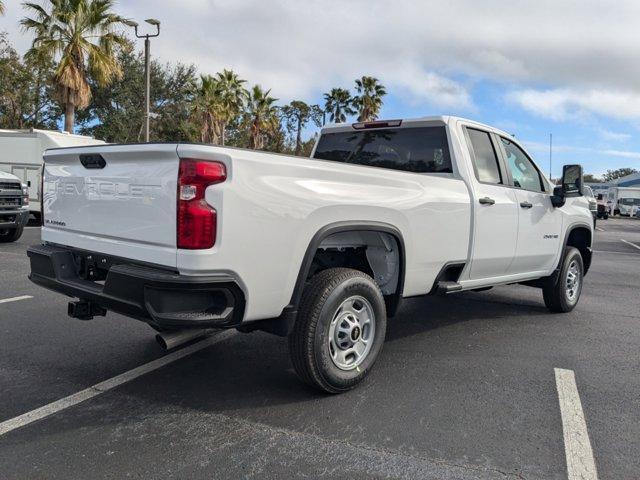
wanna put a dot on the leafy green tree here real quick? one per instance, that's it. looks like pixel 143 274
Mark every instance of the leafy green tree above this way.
pixel 369 99
pixel 297 115
pixel 339 104
pixel 261 116
pixel 589 178
pixel 115 113
pixel 620 172
pixel 25 93
pixel 81 36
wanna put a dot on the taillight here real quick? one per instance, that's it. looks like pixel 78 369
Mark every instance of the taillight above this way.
pixel 196 219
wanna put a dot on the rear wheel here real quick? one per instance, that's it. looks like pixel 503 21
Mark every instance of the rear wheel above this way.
pixel 339 331
pixel 10 234
pixel 563 296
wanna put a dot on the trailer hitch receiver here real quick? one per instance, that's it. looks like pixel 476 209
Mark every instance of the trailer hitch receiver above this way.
pixel 84 310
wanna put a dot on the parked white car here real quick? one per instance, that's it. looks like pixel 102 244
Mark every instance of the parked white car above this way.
pixel 321 249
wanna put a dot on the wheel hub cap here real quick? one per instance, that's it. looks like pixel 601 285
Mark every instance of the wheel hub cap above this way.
pixel 351 333
pixel 572 286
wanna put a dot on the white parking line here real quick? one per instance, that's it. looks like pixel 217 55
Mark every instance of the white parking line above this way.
pixel 102 387
pixel 600 229
pixel 16 299
pixel 617 253
pixel 629 243
pixel 580 462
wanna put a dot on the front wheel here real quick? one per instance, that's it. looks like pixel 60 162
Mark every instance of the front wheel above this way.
pixel 339 331
pixel 10 234
pixel 563 296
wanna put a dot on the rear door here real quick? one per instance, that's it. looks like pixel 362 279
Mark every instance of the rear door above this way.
pixel 118 200
pixel 540 223
pixel 495 208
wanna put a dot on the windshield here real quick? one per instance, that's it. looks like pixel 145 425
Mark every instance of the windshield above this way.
pixel 418 149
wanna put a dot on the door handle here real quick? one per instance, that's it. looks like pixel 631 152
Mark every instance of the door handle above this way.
pixel 526 204
pixel 487 201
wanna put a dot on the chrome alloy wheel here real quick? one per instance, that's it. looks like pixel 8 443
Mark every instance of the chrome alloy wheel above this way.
pixel 572 285
pixel 351 333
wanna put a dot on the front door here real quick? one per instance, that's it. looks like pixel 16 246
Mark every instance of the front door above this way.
pixel 540 224
pixel 495 209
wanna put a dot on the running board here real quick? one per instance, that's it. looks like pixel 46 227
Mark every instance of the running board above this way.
pixel 445 288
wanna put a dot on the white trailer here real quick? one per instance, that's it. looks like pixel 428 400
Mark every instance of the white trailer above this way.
pixel 624 200
pixel 21 155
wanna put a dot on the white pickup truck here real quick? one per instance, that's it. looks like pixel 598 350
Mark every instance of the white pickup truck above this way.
pixel 14 207
pixel 189 237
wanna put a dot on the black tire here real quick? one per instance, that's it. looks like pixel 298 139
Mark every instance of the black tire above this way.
pixel 309 345
pixel 606 216
pixel 557 297
pixel 10 234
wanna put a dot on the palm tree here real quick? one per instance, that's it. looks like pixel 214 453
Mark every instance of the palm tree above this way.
pixel 1 7
pixel 81 35
pixel 261 115
pixel 339 104
pixel 369 98
pixel 206 107
pixel 219 100
pixel 232 98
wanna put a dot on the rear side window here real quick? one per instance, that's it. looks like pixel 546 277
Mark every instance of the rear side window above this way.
pixel 485 158
pixel 419 149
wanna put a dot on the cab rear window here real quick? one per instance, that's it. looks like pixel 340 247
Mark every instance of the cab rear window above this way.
pixel 419 149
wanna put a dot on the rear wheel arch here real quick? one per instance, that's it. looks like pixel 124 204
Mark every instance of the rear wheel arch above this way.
pixel 330 236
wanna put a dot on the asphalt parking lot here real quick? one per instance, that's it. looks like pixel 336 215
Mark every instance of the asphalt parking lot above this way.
pixel 465 388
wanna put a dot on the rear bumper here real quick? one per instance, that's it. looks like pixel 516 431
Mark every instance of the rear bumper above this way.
pixel 164 299
pixel 14 218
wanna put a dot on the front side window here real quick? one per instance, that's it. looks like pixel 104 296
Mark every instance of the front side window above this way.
pixel 485 158
pixel 524 173
pixel 414 149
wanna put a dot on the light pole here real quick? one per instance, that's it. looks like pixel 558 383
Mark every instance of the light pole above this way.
pixel 147 68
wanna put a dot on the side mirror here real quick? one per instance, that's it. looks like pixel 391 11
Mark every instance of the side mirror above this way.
pixel 558 198
pixel 572 180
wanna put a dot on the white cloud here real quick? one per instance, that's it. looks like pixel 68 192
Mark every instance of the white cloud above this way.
pixel 566 103
pixel 587 51
pixel 613 136
pixel 623 154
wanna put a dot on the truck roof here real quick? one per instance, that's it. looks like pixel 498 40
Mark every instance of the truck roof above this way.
pixel 35 132
pixel 406 122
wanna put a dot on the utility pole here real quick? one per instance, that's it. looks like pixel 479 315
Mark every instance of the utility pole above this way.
pixel 550 156
pixel 147 69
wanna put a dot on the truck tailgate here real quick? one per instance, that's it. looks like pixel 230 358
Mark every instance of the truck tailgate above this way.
pixel 118 200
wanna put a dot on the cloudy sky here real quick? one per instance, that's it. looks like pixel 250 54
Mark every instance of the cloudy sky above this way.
pixel 567 67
